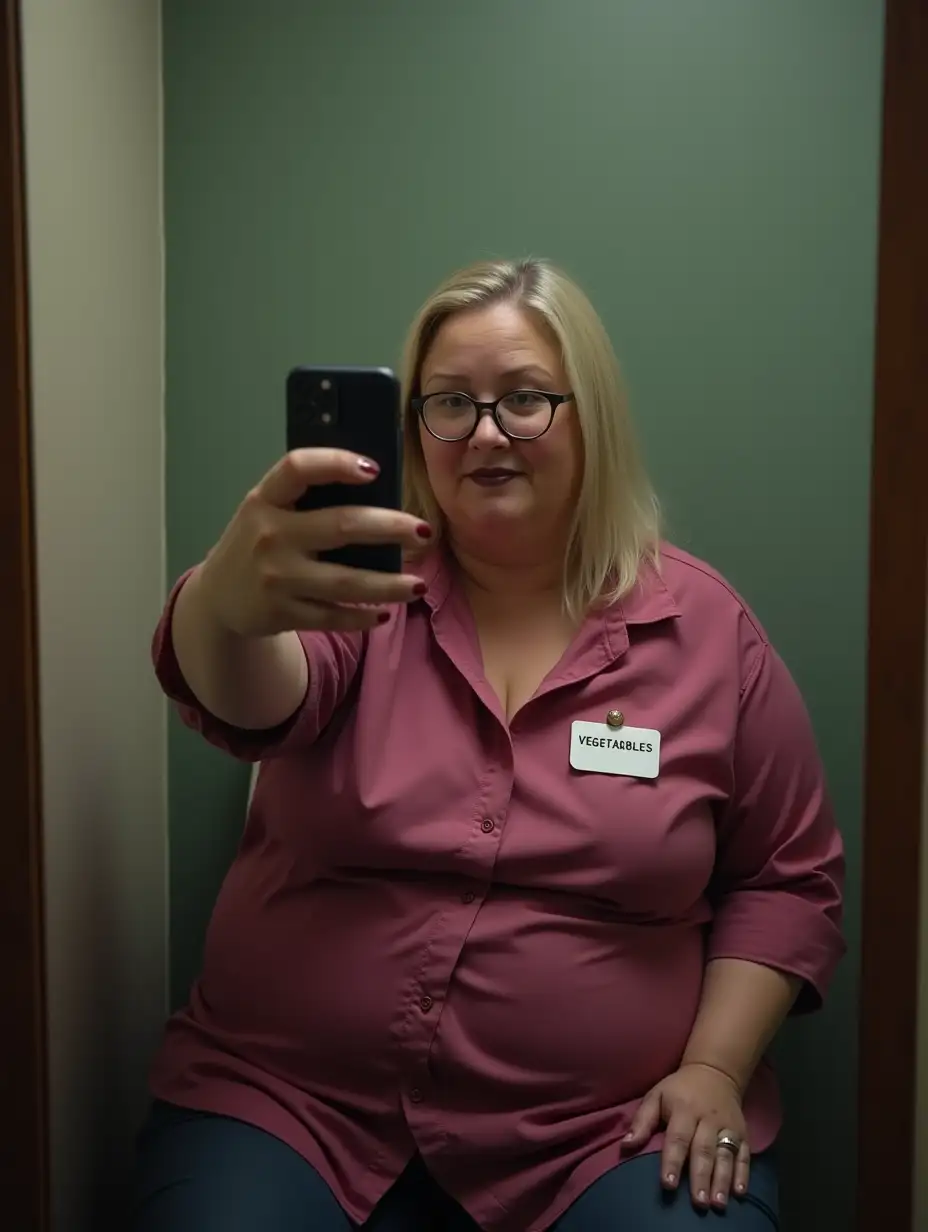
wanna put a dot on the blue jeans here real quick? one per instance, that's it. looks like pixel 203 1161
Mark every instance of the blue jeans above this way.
pixel 198 1172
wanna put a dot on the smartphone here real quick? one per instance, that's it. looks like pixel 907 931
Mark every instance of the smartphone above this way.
pixel 356 409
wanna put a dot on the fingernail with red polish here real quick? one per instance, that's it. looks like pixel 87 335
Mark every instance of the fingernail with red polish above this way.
pixel 420 588
pixel 368 466
pixel 423 531
pixel 383 617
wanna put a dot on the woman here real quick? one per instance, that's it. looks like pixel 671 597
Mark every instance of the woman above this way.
pixel 540 855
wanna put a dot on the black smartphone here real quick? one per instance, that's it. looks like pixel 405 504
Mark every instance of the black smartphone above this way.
pixel 356 409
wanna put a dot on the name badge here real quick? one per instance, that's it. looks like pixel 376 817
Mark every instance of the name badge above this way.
pixel 634 751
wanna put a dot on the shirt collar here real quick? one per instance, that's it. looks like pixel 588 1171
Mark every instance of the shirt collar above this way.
pixel 649 601
pixel 435 573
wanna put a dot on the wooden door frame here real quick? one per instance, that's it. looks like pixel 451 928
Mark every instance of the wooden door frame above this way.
pixel 896 720
pixel 23 1073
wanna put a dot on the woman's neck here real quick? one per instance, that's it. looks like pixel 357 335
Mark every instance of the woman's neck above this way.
pixel 491 578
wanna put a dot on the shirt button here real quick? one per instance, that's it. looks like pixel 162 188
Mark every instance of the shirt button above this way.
pixel 415 1095
pixel 468 896
pixel 486 825
pixel 426 1004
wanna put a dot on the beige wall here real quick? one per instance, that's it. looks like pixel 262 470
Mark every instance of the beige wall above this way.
pixel 93 164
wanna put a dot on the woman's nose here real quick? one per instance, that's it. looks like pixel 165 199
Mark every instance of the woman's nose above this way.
pixel 487 434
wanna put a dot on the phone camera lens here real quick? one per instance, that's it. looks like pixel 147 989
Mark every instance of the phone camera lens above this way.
pixel 323 402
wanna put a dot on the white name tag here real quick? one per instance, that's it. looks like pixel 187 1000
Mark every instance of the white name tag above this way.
pixel 635 751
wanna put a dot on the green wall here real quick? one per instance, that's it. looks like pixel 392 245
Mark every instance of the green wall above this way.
pixel 707 170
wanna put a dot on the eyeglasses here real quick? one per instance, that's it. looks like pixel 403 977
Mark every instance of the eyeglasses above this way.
pixel 523 415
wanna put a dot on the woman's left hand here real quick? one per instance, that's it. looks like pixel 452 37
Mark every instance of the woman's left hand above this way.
pixel 697 1104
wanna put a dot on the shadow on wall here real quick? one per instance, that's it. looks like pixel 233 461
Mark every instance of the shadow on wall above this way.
pixel 100 1062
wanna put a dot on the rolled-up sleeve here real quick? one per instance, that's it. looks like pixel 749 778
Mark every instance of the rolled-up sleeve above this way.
pixel 332 660
pixel 777 886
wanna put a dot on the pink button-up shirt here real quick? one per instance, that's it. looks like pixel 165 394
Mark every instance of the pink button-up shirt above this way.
pixel 439 937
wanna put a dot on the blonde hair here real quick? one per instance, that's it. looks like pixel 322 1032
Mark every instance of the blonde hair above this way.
pixel 616 523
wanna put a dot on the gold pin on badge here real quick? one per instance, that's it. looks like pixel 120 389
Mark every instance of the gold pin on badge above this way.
pixel 615 718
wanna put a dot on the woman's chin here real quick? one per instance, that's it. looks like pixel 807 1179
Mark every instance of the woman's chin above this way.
pixel 499 515
pixel 489 529
pixel 512 500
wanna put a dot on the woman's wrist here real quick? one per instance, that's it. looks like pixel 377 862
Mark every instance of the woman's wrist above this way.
pixel 738 1083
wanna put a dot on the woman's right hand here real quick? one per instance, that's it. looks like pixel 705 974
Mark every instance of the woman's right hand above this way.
pixel 264 576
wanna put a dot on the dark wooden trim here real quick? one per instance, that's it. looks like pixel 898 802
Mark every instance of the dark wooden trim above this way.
pixel 24 1190
pixel 896 729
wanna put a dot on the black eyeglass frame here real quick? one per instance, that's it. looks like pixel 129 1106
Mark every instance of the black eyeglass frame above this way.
pixel 488 408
